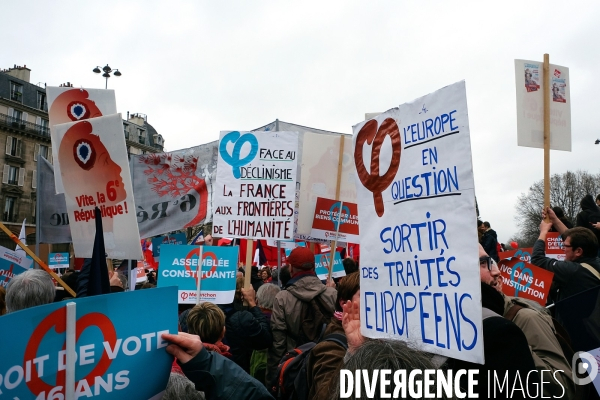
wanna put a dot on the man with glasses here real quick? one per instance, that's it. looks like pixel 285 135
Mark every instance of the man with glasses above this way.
pixel 580 269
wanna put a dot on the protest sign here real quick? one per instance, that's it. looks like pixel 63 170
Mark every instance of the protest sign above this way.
pixel 12 264
pixel 322 266
pixel 522 279
pixel 329 224
pixel 320 160
pixel 179 267
pixel 419 255
pixel 92 158
pixel 112 354
pixel 175 238
pixel 53 216
pixel 255 187
pixel 521 254
pixel 58 260
pixel 67 104
pixel 174 190
pixel 554 246
pixel 530 105
pixel 140 271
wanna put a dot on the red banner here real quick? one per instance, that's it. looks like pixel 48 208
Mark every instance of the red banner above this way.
pixel 521 254
pixel 522 279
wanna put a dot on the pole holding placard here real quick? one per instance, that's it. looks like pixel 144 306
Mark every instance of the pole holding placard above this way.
pixel 338 184
pixel 199 275
pixel 248 269
pixel 42 264
pixel 546 94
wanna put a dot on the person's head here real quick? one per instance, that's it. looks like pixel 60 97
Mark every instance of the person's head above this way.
pixel 579 242
pixel 480 226
pixel 89 163
pixel 387 354
pixel 265 296
pixel 2 300
pixel 560 213
pixel 348 289
pixel 266 273
pixel 349 266
pixel 208 240
pixel 488 270
pixel 301 259
pixel 32 288
pixel 284 275
pixel 207 320
pixel 180 387
pixel 598 200
pixel 486 225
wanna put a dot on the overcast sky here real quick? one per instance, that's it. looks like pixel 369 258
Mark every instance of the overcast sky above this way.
pixel 199 67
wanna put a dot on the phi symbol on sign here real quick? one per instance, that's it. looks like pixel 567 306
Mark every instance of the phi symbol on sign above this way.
pixel 234 159
pixel 374 137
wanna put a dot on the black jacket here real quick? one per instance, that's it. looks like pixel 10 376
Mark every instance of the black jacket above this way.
pixel 221 379
pixel 569 276
pixel 246 330
pixel 590 214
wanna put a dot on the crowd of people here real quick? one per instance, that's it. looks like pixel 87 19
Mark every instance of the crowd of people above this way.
pixel 290 334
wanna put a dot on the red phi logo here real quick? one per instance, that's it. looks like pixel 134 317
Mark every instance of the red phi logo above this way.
pixel 374 137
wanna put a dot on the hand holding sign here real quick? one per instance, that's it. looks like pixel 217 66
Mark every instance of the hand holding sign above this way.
pixel 183 346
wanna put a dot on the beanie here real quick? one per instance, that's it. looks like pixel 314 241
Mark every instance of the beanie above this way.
pixel 301 258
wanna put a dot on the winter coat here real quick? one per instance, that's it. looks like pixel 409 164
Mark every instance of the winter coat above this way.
pixel 489 242
pixel 245 330
pixel 324 363
pixel 545 348
pixel 285 320
pixel 220 378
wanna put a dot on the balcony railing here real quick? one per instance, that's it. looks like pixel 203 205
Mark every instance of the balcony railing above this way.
pixel 23 125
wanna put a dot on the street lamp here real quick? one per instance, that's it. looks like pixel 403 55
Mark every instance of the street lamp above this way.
pixel 107 71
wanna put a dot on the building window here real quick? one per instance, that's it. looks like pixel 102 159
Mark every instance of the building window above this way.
pixel 13 146
pixel 142 136
pixel 126 130
pixel 13 175
pixel 16 92
pixel 17 116
pixel 9 208
pixel 42 103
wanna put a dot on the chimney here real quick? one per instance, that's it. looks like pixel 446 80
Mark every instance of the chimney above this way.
pixel 22 73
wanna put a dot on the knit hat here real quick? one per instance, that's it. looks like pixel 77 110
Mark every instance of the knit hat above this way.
pixel 301 258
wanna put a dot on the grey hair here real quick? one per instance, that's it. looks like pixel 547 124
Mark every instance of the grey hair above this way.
pixel 266 295
pixel 29 289
pixel 378 354
pixel 180 387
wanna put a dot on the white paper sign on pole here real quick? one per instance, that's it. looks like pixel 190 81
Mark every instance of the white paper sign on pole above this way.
pixel 68 104
pixel 320 156
pixel 92 160
pixel 530 105
pixel 419 254
pixel 256 185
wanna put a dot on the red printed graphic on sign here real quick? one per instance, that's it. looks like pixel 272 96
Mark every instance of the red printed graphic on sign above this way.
pixel 522 279
pixel 174 177
pixel 327 216
pixel 58 321
pixel 374 136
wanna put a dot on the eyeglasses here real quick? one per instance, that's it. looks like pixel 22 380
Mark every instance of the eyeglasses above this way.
pixel 488 262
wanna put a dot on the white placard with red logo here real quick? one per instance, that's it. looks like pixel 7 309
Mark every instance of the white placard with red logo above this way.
pixel 530 105
pixel 68 104
pixel 419 255
pixel 92 159
pixel 554 246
